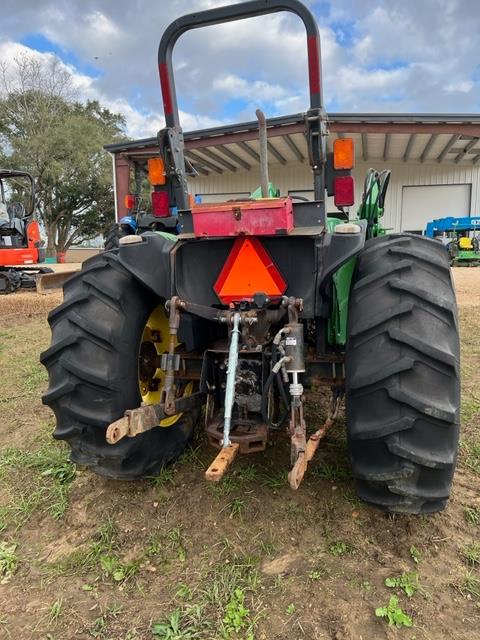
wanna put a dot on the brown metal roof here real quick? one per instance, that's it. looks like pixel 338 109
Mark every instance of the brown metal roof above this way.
pixel 441 138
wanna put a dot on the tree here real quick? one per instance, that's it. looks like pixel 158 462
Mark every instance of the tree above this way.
pixel 60 142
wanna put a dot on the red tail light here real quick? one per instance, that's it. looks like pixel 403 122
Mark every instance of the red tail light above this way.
pixel 344 191
pixel 160 204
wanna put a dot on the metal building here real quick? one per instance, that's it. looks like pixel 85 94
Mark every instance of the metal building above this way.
pixel 435 161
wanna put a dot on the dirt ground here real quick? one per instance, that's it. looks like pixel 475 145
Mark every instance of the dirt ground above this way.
pixel 178 559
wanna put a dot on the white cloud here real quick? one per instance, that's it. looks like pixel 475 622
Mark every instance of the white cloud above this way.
pixel 138 123
pixel 404 55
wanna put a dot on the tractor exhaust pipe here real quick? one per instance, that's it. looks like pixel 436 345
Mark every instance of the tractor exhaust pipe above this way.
pixel 262 130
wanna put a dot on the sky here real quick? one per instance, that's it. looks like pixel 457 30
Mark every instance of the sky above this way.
pixel 378 56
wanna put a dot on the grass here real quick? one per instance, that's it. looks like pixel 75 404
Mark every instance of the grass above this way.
pixel 340 548
pixel 472 515
pixel 8 560
pixel 275 480
pixel 34 376
pixel 101 555
pixel 471 585
pixel 222 606
pixel 415 554
pixel 332 471
pixel 36 479
pixel 164 478
pixel 470 407
pixel 88 557
pixel 471 454
pixel 99 628
pixel 471 553
pixel 56 610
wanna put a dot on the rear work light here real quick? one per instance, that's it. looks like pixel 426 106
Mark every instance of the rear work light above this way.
pixel 343 153
pixel 248 270
pixel 344 191
pixel 160 204
pixel 156 171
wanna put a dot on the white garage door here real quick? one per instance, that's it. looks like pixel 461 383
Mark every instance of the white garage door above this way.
pixel 422 204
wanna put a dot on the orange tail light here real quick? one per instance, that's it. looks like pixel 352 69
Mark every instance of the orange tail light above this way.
pixel 343 153
pixel 156 171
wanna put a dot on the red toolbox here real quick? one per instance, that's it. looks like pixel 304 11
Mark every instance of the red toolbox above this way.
pixel 265 217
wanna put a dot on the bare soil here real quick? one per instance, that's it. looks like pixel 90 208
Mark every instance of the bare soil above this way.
pixel 248 558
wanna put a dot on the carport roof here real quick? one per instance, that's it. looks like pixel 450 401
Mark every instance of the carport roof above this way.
pixel 389 137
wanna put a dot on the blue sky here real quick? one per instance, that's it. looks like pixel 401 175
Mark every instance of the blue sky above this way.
pixel 390 56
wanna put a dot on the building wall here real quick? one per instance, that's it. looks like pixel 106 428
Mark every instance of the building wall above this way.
pixel 80 254
pixel 297 177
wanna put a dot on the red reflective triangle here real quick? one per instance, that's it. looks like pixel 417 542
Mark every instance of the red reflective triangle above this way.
pixel 248 270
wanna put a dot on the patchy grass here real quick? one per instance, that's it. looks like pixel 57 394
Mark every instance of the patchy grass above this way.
pixel 223 605
pixel 8 560
pixel 471 553
pixel 39 479
pixel 340 548
pixel 472 515
pixel 470 449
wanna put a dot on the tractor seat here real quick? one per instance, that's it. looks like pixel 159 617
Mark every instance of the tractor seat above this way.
pixel 4 216
pixel 11 225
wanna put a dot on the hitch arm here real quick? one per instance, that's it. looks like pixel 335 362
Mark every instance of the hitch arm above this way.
pixel 146 417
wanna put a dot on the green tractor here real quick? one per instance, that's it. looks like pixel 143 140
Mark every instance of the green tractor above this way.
pixel 249 307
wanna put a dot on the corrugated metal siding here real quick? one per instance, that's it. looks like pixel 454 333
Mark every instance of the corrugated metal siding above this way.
pixel 297 176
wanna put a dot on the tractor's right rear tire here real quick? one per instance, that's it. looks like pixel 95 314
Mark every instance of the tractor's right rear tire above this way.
pixel 93 368
pixel 402 375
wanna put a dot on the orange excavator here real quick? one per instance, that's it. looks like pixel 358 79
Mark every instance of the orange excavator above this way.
pixel 21 250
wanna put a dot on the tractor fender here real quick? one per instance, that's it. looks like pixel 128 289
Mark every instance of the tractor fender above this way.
pixel 149 262
pixel 336 250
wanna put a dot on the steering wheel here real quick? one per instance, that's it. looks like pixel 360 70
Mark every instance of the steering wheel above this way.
pixel 17 210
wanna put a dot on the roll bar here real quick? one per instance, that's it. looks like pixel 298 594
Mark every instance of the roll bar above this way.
pixel 228 14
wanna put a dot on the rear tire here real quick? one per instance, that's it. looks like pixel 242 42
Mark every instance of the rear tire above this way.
pixel 93 372
pixel 403 375
pixel 112 237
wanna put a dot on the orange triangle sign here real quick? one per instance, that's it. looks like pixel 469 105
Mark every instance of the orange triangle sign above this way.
pixel 248 270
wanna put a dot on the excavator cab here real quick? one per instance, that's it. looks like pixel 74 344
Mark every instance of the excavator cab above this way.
pixel 20 242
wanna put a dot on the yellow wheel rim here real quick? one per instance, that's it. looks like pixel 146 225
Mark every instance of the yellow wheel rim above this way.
pixel 155 340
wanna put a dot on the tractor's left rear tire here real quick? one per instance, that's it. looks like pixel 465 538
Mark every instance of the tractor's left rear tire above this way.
pixel 112 237
pixel 93 367
pixel 403 375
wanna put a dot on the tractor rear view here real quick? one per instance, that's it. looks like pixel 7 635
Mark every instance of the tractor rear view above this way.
pixel 253 304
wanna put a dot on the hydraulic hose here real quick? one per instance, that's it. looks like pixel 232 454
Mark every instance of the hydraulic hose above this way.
pixel 274 375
